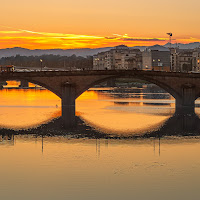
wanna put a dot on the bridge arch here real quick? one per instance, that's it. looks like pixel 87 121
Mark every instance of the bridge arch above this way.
pixel 162 85
pixel 46 86
pixel 70 85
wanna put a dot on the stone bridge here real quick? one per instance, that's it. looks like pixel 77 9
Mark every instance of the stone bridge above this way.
pixel 68 85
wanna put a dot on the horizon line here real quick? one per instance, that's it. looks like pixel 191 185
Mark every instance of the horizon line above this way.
pixel 98 47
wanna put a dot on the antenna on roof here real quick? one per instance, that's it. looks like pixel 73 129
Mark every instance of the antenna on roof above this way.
pixel 170 39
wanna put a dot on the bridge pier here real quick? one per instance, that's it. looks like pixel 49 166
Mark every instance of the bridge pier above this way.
pixel 186 103
pixel 68 105
pixel 24 84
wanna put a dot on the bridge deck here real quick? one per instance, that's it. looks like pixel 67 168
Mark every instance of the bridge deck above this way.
pixel 99 72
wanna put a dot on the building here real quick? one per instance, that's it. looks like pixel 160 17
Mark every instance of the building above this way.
pixel 185 60
pixel 174 60
pixel 156 60
pixel 121 57
pixel 196 60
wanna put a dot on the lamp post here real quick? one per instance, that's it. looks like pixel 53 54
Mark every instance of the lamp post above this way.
pixel 41 63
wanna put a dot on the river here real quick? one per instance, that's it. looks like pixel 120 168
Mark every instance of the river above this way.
pixel 59 167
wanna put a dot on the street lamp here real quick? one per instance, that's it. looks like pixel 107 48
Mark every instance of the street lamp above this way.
pixel 41 63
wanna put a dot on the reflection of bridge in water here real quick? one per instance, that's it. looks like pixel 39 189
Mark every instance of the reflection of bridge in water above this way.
pixel 177 125
pixel 184 87
pixel 180 124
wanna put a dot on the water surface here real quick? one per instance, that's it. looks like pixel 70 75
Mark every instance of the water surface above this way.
pixel 41 167
pixel 118 111
pixel 61 168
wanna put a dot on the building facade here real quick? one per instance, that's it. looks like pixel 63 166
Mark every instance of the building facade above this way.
pixel 185 60
pixel 196 60
pixel 121 57
pixel 156 60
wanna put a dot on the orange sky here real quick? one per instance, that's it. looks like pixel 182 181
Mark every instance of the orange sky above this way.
pixel 89 23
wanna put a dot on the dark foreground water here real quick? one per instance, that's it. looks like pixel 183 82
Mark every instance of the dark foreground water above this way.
pixel 62 167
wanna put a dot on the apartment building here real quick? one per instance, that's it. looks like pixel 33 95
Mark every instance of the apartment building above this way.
pixel 184 60
pixel 161 59
pixel 121 57
pixel 156 60
pixel 196 60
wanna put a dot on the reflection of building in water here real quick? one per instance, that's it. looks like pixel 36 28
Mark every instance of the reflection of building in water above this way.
pixel 155 145
pixel 149 92
pixel 7 139
pixel 98 147
pixel 121 103
pixel 155 92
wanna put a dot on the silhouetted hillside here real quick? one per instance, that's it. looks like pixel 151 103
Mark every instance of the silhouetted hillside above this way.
pixel 84 52
pixel 184 46
pixel 38 52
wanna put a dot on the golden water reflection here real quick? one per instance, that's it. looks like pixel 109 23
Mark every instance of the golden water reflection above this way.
pixel 62 168
pixel 123 116
pixel 21 108
pixel 108 112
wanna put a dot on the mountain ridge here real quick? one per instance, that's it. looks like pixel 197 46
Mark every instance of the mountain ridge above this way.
pixel 85 51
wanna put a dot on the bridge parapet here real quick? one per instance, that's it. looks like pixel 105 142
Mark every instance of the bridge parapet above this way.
pixel 99 72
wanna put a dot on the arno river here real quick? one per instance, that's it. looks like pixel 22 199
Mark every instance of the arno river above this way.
pixel 62 167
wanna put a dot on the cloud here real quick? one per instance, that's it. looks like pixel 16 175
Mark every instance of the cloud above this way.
pixel 61 35
pixel 111 38
pixel 10 32
pixel 12 37
pixel 143 39
pixel 125 37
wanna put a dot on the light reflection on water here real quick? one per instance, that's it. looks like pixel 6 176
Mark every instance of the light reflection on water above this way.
pixel 126 111
pixel 49 168
pixel 26 108
pixel 62 168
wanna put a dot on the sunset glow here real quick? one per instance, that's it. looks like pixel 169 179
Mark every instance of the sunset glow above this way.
pixel 99 99
pixel 90 24
pixel 44 40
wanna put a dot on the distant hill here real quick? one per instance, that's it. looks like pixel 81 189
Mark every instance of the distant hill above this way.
pixel 155 47
pixel 166 46
pixel 38 52
pixel 184 46
pixel 86 51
